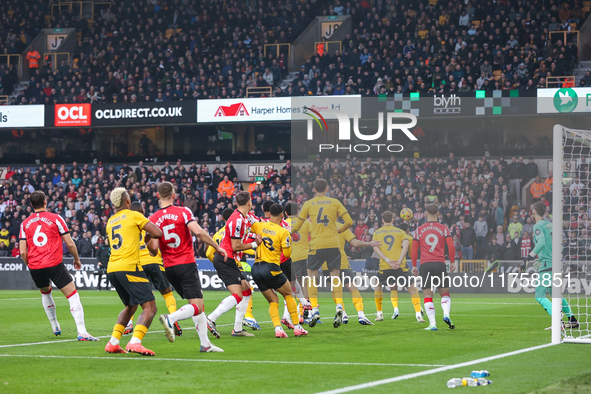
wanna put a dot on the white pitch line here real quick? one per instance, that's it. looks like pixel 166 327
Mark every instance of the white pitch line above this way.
pixel 431 371
pixel 222 361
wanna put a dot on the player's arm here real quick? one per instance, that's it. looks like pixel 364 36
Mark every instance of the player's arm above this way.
pixel 152 246
pixel 301 218
pixel 381 254
pixel 72 249
pixel 209 253
pixel 356 243
pixel 152 231
pixel 414 256
pixel 22 246
pixel 405 246
pixel 286 245
pixel 344 214
pixel 204 236
pixel 451 249
pixel 540 241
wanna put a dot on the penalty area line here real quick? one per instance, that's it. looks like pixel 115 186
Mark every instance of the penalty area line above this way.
pixel 220 361
pixel 431 371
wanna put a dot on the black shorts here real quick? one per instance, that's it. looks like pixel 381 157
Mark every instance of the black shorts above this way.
pixel 428 270
pixel 268 276
pixel 228 271
pixel 347 275
pixel 57 274
pixel 133 287
pixel 156 276
pixel 185 280
pixel 390 277
pixel 330 256
pixel 287 269
pixel 300 268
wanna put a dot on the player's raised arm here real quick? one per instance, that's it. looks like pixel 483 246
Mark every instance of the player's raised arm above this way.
pixel 205 237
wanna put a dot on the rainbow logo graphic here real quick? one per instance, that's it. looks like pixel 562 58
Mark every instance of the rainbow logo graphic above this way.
pixel 315 118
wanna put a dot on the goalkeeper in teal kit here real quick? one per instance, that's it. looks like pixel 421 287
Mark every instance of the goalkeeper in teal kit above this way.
pixel 543 249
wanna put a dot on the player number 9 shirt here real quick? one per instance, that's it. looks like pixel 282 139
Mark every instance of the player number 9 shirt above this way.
pixel 43 232
pixel 431 236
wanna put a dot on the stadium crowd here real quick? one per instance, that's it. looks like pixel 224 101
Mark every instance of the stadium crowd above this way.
pixel 80 194
pixel 126 55
pixel 480 200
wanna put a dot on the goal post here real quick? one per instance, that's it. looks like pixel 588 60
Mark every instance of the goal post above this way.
pixel 570 202
pixel 557 232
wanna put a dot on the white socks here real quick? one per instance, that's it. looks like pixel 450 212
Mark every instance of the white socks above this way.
pixel 227 304
pixel 77 312
pixel 49 307
pixel 360 314
pixel 286 314
pixel 135 340
pixel 114 341
pixel 297 290
pixel 430 309
pixel 446 305
pixel 201 327
pixel 184 313
pixel 240 312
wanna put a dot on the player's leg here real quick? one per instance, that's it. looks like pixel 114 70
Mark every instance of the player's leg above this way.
pixel 42 281
pixel 232 278
pixel 201 326
pixel 273 300
pixel 285 291
pixel 415 299
pixel 391 282
pixel 113 345
pixel 426 279
pixel 315 261
pixel 241 310
pixel 124 316
pixel 358 303
pixel 140 293
pixel 541 293
pixel 446 306
pixel 62 279
pixel 249 320
pixel 161 283
pixel 379 300
pixel 287 318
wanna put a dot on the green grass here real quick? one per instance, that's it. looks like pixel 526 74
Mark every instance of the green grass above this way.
pixel 485 326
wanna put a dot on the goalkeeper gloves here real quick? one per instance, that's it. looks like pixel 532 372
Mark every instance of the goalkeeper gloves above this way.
pixel 523 266
pixel 537 265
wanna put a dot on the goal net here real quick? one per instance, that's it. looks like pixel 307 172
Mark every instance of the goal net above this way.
pixel 571 243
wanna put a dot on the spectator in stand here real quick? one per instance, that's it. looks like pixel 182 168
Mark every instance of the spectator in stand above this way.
pixel 511 248
pixel 515 226
pixel 481 231
pixel 468 241
pixel 537 189
pixel 84 245
pixel 515 179
pixel 494 251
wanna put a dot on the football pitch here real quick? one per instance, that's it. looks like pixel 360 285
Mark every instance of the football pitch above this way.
pixel 392 356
